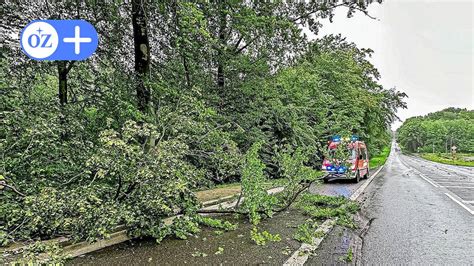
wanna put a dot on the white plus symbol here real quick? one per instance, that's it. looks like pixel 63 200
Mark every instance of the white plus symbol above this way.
pixel 77 40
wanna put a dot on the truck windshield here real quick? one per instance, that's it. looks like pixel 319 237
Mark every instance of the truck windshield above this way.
pixel 351 154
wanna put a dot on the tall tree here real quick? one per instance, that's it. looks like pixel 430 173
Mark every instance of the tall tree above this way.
pixel 63 69
pixel 142 53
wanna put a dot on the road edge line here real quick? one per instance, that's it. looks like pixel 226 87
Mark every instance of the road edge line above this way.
pixel 420 174
pixel 301 255
pixel 460 203
pixel 361 189
pixel 427 179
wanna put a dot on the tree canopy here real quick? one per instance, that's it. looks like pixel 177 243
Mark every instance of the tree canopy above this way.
pixel 438 131
pixel 178 96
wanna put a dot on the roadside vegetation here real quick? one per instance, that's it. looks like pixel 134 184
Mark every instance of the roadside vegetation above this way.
pixel 177 98
pixel 462 159
pixel 380 158
pixel 433 135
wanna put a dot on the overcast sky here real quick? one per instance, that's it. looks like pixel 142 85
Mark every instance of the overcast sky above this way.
pixel 424 48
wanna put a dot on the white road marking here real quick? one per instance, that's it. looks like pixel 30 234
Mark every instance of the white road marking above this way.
pixel 361 189
pixel 457 187
pixel 454 182
pixel 447 186
pixel 427 179
pixel 468 201
pixel 460 203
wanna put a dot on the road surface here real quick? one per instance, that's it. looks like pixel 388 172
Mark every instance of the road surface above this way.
pixel 422 213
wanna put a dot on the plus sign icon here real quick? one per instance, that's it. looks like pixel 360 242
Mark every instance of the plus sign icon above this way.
pixel 59 40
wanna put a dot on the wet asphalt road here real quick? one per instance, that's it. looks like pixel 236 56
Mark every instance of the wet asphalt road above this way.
pixel 422 213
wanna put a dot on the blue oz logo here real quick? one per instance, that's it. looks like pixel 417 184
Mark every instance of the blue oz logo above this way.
pixel 59 40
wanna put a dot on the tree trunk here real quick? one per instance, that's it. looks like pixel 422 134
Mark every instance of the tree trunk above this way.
pixel 63 70
pixel 220 52
pixel 62 78
pixel 142 53
pixel 220 74
pixel 186 71
pixel 182 45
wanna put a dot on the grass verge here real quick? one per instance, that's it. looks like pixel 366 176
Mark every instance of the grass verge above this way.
pixel 461 159
pixel 380 159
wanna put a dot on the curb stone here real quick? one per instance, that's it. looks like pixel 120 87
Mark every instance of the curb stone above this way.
pixel 300 256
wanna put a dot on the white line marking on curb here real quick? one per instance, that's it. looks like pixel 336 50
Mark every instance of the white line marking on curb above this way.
pixel 460 203
pixel 300 256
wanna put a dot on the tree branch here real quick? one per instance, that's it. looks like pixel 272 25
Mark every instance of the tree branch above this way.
pixel 238 201
pixel 234 211
pixel 351 5
pixel 236 46
pixel 295 196
pixel 365 12
pixel 117 192
pixel 246 45
pixel 68 68
pixel 3 183
pixel 306 15
pixel 129 190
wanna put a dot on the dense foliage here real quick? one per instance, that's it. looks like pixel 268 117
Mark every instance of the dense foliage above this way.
pixel 437 132
pixel 223 91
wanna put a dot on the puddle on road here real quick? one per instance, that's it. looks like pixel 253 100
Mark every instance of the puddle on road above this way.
pixel 343 191
pixel 343 188
pixel 345 241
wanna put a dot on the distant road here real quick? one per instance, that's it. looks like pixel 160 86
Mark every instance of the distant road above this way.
pixel 423 213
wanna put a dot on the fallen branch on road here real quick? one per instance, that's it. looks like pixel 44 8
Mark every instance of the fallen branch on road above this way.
pixel 236 211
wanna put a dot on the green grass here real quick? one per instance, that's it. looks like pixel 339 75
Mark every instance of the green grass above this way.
pixel 380 159
pixel 461 159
